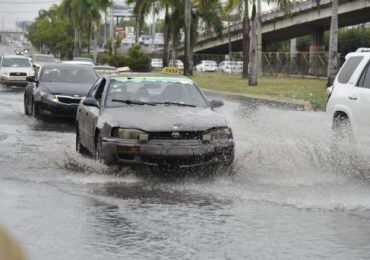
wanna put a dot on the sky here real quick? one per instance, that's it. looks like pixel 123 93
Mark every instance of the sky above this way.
pixel 12 11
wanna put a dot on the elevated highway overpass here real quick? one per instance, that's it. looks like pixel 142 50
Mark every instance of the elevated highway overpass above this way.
pixel 304 18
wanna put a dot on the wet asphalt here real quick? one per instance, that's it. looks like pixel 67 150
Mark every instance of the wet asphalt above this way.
pixel 286 199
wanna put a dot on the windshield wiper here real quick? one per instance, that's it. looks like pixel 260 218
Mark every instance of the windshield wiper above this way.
pixel 174 103
pixel 134 102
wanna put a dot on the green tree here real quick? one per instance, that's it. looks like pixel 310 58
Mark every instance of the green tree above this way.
pixel 51 30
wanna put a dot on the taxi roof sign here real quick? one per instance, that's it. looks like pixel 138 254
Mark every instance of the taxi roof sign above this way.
pixel 170 70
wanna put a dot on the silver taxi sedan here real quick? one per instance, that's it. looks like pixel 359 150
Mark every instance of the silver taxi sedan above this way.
pixel 152 120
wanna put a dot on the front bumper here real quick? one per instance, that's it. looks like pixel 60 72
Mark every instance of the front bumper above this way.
pixel 16 80
pixel 57 109
pixel 173 153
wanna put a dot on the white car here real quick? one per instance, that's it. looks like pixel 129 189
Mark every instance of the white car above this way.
pixel 157 63
pixel 206 65
pixel 349 99
pixel 177 63
pixel 14 69
pixel 231 67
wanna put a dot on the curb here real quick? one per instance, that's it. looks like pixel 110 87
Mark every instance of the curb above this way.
pixel 287 104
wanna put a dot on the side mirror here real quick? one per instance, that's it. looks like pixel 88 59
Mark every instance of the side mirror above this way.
pixel 216 103
pixel 31 79
pixel 90 102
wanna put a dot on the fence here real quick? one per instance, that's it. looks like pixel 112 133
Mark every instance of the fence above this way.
pixel 280 63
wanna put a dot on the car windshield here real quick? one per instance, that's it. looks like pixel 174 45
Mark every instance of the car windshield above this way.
pixel 72 75
pixel 43 59
pixel 16 62
pixel 155 91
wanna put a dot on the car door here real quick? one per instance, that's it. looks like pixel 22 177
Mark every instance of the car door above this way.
pixel 361 104
pixel 82 113
pixel 92 115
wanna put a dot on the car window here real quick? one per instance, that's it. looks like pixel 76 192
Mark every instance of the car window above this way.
pixel 365 78
pixel 348 68
pixel 93 88
pixel 43 59
pixel 68 74
pixel 154 91
pixel 16 62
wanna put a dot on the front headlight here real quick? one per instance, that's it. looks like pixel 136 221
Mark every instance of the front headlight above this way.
pixel 217 134
pixel 48 96
pixel 132 134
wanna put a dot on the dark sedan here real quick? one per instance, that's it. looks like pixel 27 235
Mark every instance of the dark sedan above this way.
pixel 57 89
pixel 153 120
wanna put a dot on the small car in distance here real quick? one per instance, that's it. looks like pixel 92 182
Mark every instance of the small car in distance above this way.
pixel 206 66
pixel 231 67
pixel 14 69
pixel 156 63
pixel 177 63
pixel 57 89
pixel 155 120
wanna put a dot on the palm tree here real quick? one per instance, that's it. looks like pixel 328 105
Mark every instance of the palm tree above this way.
pixel 188 70
pixel 252 77
pixel 333 44
pixel 243 7
pixel 253 55
pixel 75 9
pixel 93 17
pixel 204 13
pixel 142 9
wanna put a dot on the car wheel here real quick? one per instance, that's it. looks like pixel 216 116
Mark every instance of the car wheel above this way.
pixel 343 148
pixel 27 106
pixel 79 147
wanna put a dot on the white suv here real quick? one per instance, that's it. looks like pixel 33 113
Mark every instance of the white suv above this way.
pixel 349 97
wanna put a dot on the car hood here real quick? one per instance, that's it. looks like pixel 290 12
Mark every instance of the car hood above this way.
pixel 64 88
pixel 162 118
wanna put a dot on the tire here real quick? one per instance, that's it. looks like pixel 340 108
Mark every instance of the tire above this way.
pixel 97 149
pixel 343 147
pixel 79 147
pixel 27 107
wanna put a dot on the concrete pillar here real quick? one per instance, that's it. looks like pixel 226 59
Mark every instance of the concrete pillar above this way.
pixel 259 39
pixel 293 56
pixel 293 46
pixel 317 46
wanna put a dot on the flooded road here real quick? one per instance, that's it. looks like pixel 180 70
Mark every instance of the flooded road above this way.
pixel 285 201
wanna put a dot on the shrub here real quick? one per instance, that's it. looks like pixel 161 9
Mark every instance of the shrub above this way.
pixel 118 60
pixel 138 60
pixel 87 55
pixel 103 59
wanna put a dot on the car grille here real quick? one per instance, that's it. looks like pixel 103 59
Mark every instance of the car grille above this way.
pixel 69 100
pixel 188 135
pixel 17 74
pixel 177 160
